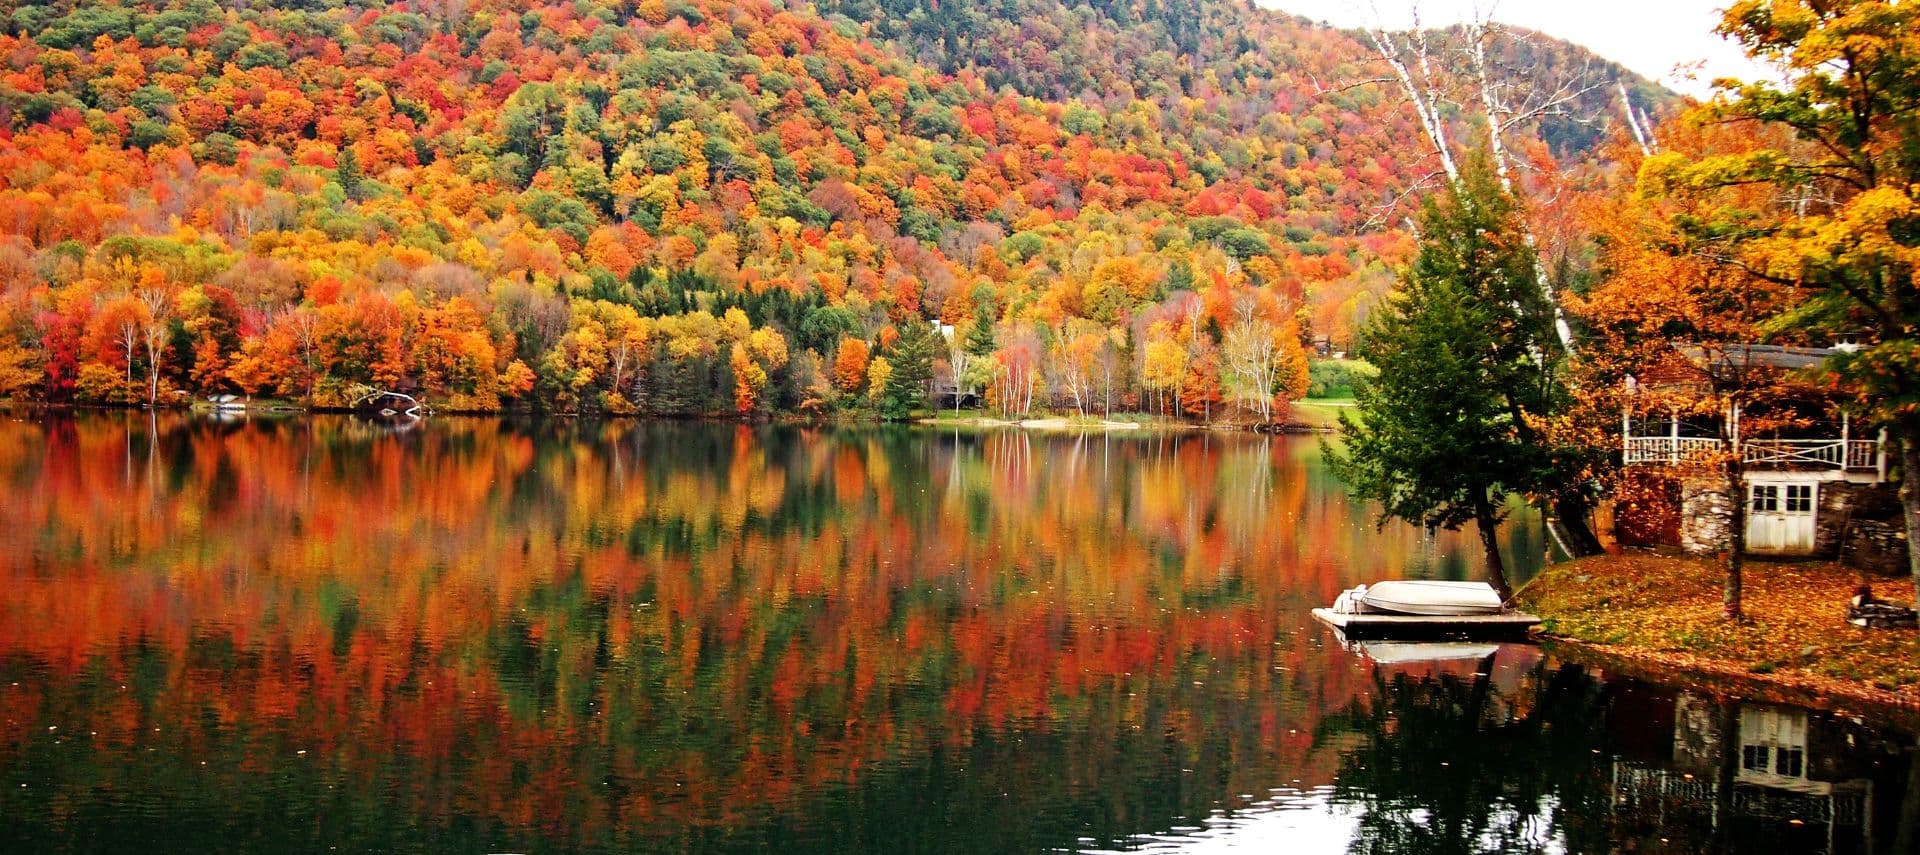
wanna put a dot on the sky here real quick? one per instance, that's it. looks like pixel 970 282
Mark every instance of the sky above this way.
pixel 1651 37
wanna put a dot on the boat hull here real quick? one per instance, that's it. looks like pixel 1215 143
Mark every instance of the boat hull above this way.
pixel 1420 597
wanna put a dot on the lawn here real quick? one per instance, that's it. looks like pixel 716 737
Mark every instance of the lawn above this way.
pixel 1319 413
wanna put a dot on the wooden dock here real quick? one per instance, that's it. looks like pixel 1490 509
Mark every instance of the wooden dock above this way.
pixel 1506 625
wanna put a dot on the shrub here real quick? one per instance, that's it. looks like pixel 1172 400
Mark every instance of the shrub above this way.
pixel 1338 378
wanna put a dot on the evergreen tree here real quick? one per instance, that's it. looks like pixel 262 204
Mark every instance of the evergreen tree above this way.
pixel 912 360
pixel 347 172
pixel 980 340
pixel 1466 353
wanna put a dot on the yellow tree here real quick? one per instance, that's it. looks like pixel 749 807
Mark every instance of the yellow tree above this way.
pixel 1164 363
pixel 1849 95
pixel 1264 361
pixel 753 359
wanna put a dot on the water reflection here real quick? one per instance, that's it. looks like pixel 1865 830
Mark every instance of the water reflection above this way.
pixel 1548 757
pixel 484 636
pixel 1696 773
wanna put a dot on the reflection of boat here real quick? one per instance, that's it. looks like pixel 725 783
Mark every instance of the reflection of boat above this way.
pixel 1422 597
pixel 1403 652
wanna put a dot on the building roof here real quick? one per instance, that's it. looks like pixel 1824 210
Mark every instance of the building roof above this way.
pixel 1743 357
pixel 1732 362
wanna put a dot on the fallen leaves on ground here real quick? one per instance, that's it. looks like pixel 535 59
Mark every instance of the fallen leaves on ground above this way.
pixel 1668 609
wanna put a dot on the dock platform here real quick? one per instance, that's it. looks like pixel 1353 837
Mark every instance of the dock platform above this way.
pixel 1507 625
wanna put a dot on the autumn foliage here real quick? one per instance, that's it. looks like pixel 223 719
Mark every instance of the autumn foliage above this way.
pixel 560 206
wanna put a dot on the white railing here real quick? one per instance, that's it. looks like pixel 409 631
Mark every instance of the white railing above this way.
pixel 1842 454
pixel 1669 450
pixel 1864 454
pixel 1817 453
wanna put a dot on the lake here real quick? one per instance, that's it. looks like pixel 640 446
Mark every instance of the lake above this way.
pixel 483 635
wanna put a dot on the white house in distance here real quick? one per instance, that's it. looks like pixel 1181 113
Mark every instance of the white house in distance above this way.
pixel 1816 483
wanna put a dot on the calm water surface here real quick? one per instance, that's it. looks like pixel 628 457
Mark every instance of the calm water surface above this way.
pixel 485 636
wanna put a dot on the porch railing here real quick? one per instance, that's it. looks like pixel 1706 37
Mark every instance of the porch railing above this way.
pixel 1669 450
pixel 1847 455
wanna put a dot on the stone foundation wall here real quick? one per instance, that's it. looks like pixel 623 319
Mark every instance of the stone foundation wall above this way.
pixel 1705 514
pixel 1857 523
pixel 1878 546
pixel 1837 500
pixel 1876 537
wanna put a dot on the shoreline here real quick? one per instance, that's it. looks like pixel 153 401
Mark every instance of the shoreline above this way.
pixel 1726 679
pixel 981 422
pixel 1065 423
pixel 1658 616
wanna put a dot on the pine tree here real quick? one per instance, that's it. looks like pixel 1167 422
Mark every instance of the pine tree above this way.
pixel 1463 349
pixel 912 361
pixel 980 341
pixel 347 172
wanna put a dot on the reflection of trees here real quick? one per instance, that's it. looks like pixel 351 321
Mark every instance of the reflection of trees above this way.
pixel 1452 764
pixel 607 629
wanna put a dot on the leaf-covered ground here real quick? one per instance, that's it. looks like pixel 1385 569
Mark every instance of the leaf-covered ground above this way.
pixel 1665 611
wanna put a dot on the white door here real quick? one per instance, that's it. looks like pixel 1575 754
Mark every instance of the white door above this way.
pixel 1780 517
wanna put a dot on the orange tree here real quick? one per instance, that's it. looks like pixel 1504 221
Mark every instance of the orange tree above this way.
pixel 1672 320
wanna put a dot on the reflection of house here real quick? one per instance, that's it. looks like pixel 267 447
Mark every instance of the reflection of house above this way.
pixel 1690 769
pixel 1807 475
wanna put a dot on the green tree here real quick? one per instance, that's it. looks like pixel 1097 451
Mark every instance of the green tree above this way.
pixel 980 339
pixel 912 361
pixel 1465 350
pixel 347 172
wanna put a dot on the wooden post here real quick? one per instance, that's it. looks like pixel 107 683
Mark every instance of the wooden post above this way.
pixel 1880 458
pixel 1673 437
pixel 1846 447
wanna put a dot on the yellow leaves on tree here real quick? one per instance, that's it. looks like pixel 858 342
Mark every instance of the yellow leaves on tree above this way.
pixel 760 352
pixel 19 368
pixel 517 380
pixel 878 372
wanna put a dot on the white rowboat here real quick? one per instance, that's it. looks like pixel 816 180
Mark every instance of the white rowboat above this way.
pixel 1422 597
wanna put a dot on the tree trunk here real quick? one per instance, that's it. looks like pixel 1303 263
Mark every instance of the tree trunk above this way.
pixel 1731 605
pixel 1907 433
pixel 1571 512
pixel 1726 715
pixel 153 376
pixel 1483 519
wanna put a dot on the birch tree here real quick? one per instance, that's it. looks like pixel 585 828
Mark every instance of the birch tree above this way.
pixel 1262 354
pixel 158 302
pixel 1504 107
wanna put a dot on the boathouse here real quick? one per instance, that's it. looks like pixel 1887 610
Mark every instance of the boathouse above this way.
pixel 1816 482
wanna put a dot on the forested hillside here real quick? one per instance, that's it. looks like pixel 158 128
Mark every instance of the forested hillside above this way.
pixel 692 207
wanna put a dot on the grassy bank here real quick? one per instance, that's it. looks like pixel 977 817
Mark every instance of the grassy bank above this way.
pixel 1664 613
pixel 1319 413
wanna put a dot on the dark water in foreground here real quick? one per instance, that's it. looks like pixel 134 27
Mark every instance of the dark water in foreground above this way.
pixel 480 636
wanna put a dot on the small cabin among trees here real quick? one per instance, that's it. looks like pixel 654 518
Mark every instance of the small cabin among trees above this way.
pixel 1813 482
